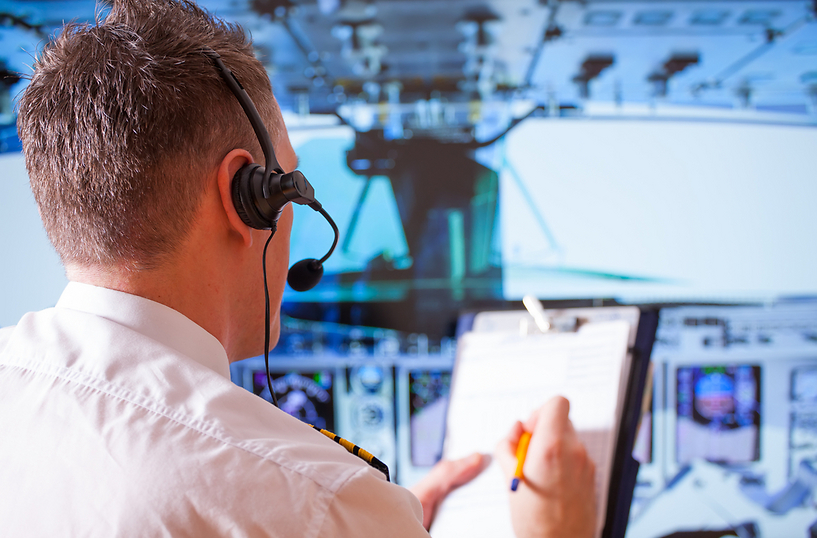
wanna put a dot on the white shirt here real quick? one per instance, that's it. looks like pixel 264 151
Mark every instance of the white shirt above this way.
pixel 118 418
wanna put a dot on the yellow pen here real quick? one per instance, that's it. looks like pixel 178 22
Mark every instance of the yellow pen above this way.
pixel 521 454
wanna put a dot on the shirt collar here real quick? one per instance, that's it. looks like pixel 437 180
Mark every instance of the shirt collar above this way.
pixel 152 319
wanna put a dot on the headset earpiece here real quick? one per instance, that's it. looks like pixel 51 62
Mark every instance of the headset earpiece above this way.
pixel 243 197
pixel 260 198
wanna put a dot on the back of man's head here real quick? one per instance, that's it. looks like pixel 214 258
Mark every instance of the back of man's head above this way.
pixel 122 122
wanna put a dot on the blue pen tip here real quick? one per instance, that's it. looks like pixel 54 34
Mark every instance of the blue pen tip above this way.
pixel 514 484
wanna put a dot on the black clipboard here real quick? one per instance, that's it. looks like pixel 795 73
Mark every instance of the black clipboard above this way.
pixel 624 468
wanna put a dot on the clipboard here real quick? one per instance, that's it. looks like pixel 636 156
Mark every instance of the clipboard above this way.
pixel 565 329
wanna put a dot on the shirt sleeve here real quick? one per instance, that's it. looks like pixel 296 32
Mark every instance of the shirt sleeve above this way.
pixel 369 506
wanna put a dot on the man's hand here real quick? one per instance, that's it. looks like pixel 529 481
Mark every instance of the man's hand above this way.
pixel 556 499
pixel 443 478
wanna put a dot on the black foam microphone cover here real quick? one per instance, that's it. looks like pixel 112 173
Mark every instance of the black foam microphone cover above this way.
pixel 305 274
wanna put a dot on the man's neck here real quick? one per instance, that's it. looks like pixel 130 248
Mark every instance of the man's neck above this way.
pixel 214 276
pixel 186 290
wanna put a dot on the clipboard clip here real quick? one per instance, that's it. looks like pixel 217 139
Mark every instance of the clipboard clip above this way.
pixel 545 324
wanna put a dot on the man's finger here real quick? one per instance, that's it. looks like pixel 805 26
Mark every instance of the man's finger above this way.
pixel 464 470
pixel 505 452
pixel 551 417
pixel 443 478
pixel 453 474
pixel 551 428
pixel 448 475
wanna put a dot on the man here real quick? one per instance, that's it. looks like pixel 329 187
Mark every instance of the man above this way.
pixel 118 415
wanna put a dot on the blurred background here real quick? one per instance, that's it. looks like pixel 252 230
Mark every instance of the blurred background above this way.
pixel 594 152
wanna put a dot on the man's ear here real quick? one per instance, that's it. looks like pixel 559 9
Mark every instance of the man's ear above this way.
pixel 227 170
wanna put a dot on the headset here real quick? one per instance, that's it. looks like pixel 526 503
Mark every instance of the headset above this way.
pixel 260 195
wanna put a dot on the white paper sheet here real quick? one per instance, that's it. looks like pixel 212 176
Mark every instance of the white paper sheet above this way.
pixel 500 378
